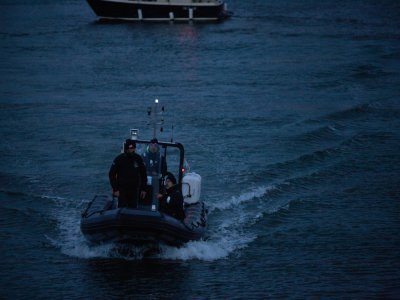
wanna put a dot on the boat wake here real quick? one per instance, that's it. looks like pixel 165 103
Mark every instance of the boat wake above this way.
pixel 229 231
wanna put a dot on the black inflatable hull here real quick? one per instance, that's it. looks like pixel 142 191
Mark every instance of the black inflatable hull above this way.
pixel 102 223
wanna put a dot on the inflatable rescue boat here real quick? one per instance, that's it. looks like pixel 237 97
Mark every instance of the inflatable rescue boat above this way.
pixel 103 221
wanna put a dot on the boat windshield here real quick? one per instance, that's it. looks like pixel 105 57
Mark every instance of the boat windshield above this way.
pixel 160 158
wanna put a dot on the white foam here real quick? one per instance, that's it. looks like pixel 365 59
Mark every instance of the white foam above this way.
pixel 70 240
pixel 256 192
pixel 229 231
pixel 206 250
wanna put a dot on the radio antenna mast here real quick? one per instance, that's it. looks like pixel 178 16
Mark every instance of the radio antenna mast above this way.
pixel 156 117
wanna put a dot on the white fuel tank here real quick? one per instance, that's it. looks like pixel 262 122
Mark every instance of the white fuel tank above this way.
pixel 191 187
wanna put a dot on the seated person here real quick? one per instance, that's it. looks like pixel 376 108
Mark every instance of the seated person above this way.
pixel 171 202
pixel 152 158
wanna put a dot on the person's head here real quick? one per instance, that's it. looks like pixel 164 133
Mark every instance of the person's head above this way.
pixel 130 146
pixel 153 146
pixel 169 180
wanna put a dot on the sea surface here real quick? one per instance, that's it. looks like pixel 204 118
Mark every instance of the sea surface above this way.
pixel 290 112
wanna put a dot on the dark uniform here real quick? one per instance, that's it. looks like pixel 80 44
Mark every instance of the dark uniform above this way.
pixel 128 176
pixel 171 202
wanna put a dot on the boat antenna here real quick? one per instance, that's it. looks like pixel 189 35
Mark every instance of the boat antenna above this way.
pixel 156 117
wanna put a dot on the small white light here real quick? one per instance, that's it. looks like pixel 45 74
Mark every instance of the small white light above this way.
pixel 156 101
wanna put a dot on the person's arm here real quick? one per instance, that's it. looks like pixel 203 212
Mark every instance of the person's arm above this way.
pixel 112 175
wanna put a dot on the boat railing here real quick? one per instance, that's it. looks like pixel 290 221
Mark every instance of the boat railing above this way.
pixel 105 205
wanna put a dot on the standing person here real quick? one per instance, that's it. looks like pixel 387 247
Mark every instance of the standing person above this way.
pixel 152 159
pixel 171 202
pixel 128 176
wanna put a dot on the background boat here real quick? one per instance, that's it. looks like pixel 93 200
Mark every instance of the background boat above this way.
pixel 161 10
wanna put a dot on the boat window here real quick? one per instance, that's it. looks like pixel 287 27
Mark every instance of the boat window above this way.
pixel 173 160
pixel 152 155
pixel 161 160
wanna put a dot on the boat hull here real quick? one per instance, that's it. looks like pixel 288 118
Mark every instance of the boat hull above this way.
pixel 101 223
pixel 154 11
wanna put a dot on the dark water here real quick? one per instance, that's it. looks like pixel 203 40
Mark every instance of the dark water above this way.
pixel 290 111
